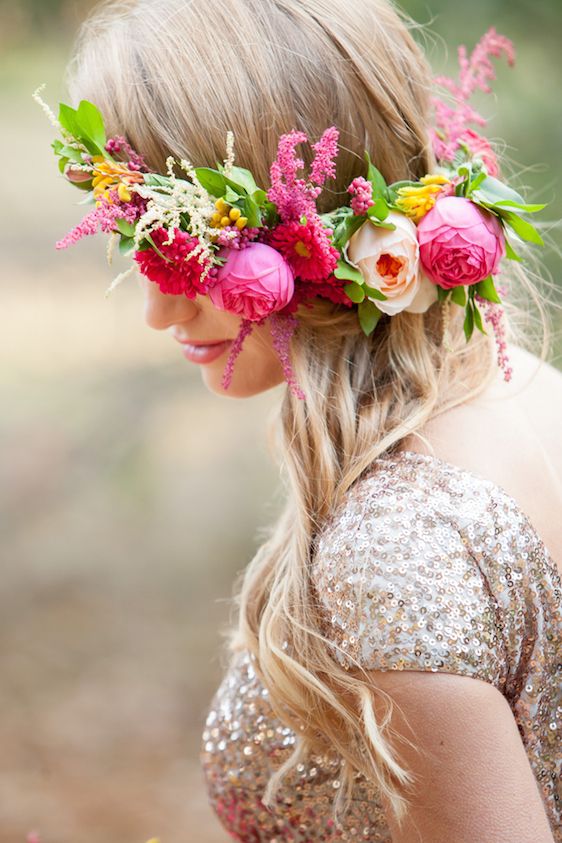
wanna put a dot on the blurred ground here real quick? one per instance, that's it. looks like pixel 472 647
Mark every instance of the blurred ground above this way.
pixel 129 496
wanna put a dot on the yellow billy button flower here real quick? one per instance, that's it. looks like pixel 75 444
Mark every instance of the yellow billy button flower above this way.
pixel 227 215
pixel 416 200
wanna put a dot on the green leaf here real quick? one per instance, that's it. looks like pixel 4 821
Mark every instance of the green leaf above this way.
pixel 442 293
pixel 155 180
pixel 375 177
pixel 345 230
pixel 62 164
pixel 211 181
pixel 91 123
pixel 231 197
pixel 57 146
pixel 156 249
pixel 379 224
pixel 468 325
pixel 373 293
pixel 510 252
pixel 345 270
pixel 68 119
pixel 259 196
pixel 493 191
pixel 239 177
pixel 369 315
pixel 252 212
pixel 127 229
pixel 380 209
pixel 478 318
pixel 126 246
pixel 72 153
pixel 487 290
pixel 355 292
pixel 71 120
pixel 527 209
pixel 459 296
pixel 476 182
pixel 524 229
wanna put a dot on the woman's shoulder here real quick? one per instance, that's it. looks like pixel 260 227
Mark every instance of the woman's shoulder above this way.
pixel 426 566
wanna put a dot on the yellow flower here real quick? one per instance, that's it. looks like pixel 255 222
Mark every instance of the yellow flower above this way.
pixel 107 174
pixel 416 200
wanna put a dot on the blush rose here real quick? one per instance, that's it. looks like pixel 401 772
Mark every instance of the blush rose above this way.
pixel 389 262
pixel 254 282
pixel 460 243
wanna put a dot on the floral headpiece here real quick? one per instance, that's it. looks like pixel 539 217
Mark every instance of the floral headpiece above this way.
pixel 260 253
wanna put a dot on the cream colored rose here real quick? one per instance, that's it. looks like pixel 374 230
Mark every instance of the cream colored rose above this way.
pixel 389 261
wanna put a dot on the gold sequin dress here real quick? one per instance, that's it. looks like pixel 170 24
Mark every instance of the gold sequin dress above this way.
pixel 426 566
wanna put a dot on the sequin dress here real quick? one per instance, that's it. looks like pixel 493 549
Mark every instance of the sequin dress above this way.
pixel 426 566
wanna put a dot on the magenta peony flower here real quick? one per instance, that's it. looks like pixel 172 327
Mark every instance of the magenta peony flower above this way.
pixel 176 275
pixel 307 247
pixel 254 282
pixel 460 243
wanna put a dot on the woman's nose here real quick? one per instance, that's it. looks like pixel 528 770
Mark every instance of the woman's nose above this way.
pixel 161 310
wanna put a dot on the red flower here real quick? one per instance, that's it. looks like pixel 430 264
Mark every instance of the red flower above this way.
pixel 176 275
pixel 332 289
pixel 306 247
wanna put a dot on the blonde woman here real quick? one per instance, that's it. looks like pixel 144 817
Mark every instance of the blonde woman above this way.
pixel 395 669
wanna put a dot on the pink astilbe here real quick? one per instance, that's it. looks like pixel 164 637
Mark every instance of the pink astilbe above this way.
pixel 494 315
pixel 293 195
pixel 362 193
pixel 476 71
pixel 282 328
pixel 117 145
pixel 103 218
pixel 246 326
pixel 326 151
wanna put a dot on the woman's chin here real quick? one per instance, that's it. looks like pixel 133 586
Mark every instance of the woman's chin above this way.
pixel 242 385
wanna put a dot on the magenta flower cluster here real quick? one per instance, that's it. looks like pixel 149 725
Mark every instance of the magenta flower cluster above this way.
pixel 118 145
pixel 362 193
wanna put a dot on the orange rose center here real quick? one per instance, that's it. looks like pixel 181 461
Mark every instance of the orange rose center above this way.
pixel 301 249
pixel 389 267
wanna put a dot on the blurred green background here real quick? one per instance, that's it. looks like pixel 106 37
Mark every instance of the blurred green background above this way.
pixel 131 496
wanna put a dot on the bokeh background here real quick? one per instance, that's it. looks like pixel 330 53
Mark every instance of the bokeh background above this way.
pixel 130 496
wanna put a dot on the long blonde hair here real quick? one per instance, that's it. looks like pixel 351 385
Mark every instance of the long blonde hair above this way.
pixel 174 76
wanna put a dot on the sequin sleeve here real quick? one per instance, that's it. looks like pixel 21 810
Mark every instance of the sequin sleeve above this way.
pixel 397 588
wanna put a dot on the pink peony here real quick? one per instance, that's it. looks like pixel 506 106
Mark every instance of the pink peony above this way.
pixel 460 243
pixel 254 282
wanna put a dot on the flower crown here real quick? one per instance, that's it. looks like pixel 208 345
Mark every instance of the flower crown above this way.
pixel 261 253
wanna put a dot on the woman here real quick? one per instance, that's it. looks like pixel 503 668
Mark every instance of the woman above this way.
pixel 399 631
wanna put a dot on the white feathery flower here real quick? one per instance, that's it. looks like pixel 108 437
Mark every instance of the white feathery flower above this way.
pixel 46 108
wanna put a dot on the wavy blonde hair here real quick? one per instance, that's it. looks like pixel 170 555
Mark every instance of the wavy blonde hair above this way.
pixel 174 76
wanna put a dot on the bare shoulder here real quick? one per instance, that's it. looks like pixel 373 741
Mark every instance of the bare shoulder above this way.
pixel 473 777
pixel 510 434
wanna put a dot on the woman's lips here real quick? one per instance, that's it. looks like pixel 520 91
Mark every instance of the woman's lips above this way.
pixel 199 352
